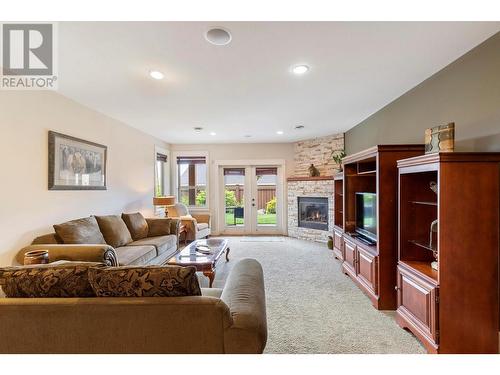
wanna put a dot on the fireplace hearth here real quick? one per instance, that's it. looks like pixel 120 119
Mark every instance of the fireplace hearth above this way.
pixel 313 213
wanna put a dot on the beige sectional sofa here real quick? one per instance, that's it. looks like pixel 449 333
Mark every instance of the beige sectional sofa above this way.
pixel 232 320
pixel 157 242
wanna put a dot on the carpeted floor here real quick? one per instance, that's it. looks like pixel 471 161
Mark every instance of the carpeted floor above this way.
pixel 312 307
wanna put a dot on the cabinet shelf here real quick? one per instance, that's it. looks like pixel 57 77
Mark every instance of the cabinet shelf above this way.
pixel 422 267
pixel 424 203
pixel 422 245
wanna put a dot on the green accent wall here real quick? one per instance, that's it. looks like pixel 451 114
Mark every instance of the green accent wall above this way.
pixel 466 92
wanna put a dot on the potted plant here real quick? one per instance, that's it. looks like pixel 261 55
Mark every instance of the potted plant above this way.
pixel 337 157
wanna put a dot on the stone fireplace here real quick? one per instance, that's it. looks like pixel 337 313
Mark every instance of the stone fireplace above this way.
pixel 310 199
pixel 310 208
pixel 313 212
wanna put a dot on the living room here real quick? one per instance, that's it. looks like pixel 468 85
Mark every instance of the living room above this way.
pixel 250 187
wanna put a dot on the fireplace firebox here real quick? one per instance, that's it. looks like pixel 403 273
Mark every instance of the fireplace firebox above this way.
pixel 313 212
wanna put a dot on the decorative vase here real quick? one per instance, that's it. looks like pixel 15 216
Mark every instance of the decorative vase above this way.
pixel 36 257
pixel 330 242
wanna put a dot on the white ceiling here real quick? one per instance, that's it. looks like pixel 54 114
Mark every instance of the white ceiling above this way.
pixel 246 87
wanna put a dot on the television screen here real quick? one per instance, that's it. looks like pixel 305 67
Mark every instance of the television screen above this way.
pixel 366 215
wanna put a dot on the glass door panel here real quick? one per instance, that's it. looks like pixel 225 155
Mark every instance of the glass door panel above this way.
pixel 234 194
pixel 265 199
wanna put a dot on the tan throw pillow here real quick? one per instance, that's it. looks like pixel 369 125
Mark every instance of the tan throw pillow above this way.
pixel 159 227
pixel 80 231
pixel 137 225
pixel 114 230
pixel 63 280
pixel 149 281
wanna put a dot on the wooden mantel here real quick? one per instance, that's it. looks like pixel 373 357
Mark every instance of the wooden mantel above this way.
pixel 307 178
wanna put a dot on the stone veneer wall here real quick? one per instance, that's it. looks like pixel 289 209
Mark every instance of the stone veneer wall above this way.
pixel 321 188
pixel 317 151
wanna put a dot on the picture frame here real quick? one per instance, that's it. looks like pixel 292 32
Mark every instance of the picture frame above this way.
pixel 76 164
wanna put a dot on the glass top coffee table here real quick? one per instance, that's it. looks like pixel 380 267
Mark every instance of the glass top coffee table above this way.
pixel 205 263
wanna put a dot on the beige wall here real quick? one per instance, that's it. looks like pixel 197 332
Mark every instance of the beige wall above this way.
pixel 466 92
pixel 27 207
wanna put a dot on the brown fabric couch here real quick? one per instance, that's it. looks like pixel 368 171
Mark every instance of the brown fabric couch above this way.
pixel 232 320
pixel 161 245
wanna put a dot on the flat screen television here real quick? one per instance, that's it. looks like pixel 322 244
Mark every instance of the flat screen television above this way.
pixel 366 215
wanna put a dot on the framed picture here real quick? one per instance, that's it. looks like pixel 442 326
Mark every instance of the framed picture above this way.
pixel 76 164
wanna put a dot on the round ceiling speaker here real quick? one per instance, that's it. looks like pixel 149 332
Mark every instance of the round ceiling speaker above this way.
pixel 218 36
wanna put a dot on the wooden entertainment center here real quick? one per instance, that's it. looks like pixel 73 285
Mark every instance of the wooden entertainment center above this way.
pixel 338 216
pixel 373 267
pixel 436 254
pixel 453 307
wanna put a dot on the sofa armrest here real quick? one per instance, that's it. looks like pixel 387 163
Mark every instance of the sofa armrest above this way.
pixel 163 226
pixel 83 253
pixel 202 218
pixel 244 294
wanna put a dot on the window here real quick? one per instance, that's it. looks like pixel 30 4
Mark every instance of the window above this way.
pixel 160 169
pixel 192 180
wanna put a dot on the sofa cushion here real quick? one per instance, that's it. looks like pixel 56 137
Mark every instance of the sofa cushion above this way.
pixel 158 227
pixel 151 281
pixel 114 230
pixel 64 279
pixel 161 243
pixel 135 255
pixel 137 225
pixel 202 226
pixel 80 231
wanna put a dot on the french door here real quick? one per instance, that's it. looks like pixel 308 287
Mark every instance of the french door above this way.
pixel 250 199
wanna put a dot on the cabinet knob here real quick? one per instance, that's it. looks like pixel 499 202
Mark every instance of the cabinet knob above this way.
pixel 397 288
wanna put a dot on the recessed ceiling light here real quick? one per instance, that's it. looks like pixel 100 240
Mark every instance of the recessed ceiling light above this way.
pixel 156 74
pixel 213 133
pixel 198 129
pixel 280 132
pixel 298 127
pixel 247 136
pixel 218 36
pixel 300 69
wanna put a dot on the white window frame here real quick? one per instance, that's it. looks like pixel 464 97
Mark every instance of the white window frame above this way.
pixel 166 177
pixel 175 176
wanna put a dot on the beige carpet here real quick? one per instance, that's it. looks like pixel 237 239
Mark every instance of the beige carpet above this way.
pixel 311 306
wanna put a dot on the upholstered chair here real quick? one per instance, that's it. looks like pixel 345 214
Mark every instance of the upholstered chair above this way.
pixel 198 225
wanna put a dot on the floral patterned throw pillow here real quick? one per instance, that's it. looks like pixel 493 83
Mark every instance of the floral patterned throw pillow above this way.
pixel 43 281
pixel 149 281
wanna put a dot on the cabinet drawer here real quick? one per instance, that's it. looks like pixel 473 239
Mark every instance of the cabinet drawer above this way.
pixel 367 269
pixel 418 302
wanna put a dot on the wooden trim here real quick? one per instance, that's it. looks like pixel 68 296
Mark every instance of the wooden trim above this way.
pixel 320 178
pixel 449 157
pixel 372 151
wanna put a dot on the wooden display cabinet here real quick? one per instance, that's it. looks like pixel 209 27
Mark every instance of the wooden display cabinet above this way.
pixel 454 308
pixel 373 267
pixel 338 216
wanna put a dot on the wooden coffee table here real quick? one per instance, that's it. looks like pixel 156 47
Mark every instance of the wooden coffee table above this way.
pixel 205 263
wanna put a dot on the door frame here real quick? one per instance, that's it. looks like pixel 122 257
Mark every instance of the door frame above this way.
pixel 280 192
